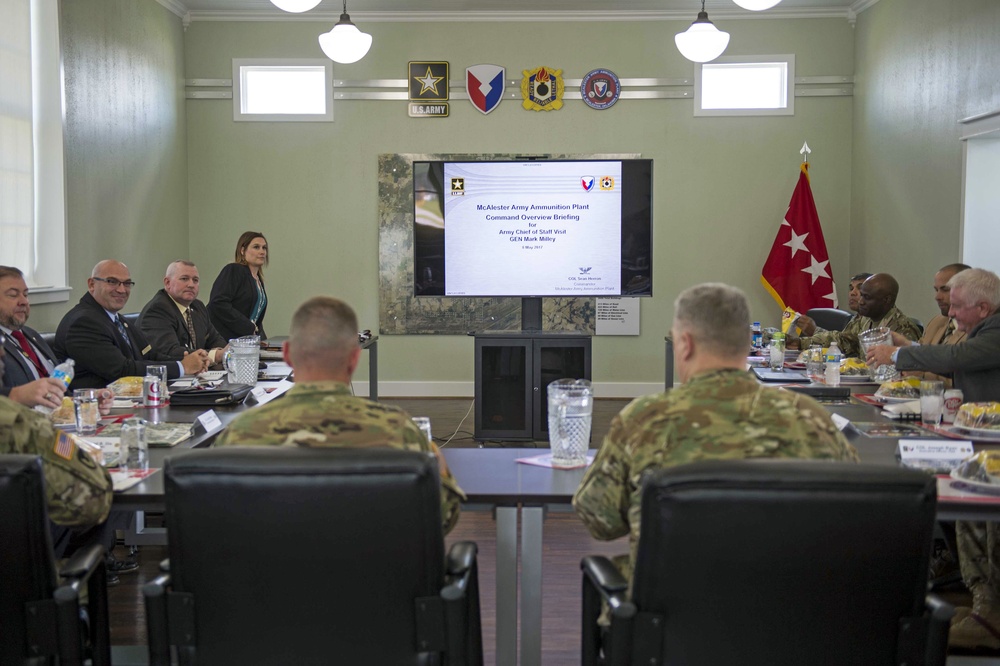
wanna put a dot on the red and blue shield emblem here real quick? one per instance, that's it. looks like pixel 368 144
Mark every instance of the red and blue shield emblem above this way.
pixel 485 85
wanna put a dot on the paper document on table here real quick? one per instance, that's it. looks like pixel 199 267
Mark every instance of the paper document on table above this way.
pixel 545 460
pixel 124 479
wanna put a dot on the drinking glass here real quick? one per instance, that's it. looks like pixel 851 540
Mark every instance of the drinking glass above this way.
pixel 134 448
pixel 87 414
pixel 776 355
pixel 243 360
pixel 571 404
pixel 931 402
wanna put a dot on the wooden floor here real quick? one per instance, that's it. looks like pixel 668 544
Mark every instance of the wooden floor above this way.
pixel 566 541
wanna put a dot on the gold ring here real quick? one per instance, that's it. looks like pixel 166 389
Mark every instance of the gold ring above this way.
pixel 48 396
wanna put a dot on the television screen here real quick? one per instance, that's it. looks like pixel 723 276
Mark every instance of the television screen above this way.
pixel 533 228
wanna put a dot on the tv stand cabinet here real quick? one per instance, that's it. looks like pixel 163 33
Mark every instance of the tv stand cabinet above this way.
pixel 513 370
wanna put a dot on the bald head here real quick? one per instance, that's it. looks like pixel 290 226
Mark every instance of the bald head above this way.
pixel 878 296
pixel 110 284
pixel 323 340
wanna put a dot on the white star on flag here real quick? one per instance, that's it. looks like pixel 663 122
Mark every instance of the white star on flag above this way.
pixel 817 269
pixel 797 243
pixel 832 296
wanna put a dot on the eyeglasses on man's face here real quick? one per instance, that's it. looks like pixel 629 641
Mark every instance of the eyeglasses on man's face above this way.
pixel 114 283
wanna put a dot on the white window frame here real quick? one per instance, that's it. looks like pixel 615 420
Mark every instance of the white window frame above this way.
pixel 240 116
pixel 788 110
pixel 45 269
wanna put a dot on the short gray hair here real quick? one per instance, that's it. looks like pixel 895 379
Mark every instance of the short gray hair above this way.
pixel 324 332
pixel 717 315
pixel 978 285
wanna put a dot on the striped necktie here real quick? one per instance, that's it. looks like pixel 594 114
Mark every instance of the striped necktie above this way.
pixel 122 332
pixel 28 352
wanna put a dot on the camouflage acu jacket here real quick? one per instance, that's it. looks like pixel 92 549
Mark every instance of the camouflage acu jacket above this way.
pixel 847 339
pixel 77 488
pixel 722 414
pixel 326 414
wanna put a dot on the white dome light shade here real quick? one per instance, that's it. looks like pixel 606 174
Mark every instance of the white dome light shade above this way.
pixel 752 5
pixel 295 6
pixel 702 41
pixel 345 43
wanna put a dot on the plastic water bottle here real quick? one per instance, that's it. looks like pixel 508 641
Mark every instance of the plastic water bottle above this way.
pixel 833 365
pixel 64 372
pixel 757 336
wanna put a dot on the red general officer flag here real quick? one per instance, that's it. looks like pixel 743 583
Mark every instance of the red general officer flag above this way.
pixel 797 271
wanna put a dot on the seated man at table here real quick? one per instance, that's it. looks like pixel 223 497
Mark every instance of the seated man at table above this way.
pixel 808 326
pixel 942 329
pixel 323 349
pixel 719 412
pixel 30 360
pixel 174 321
pixel 103 345
pixel 877 307
pixel 974 365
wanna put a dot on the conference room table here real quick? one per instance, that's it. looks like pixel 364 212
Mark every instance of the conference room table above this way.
pixel 519 494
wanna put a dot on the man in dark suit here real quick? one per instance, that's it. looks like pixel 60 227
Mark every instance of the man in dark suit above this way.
pixel 30 360
pixel 175 321
pixel 103 345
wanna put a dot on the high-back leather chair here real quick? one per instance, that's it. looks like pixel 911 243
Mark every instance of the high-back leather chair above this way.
pixel 39 606
pixel 831 319
pixel 775 562
pixel 311 556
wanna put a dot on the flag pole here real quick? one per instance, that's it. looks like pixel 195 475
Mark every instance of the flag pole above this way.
pixel 804 152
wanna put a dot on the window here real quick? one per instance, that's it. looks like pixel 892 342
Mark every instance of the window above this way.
pixel 32 186
pixel 745 86
pixel 283 90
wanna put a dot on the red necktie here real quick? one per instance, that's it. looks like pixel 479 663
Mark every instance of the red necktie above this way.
pixel 29 352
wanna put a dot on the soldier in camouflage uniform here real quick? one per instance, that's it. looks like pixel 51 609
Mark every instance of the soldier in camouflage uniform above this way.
pixel 320 410
pixel 720 412
pixel 876 308
pixel 77 488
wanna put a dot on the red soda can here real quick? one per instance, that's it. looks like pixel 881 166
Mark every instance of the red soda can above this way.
pixel 952 401
pixel 151 396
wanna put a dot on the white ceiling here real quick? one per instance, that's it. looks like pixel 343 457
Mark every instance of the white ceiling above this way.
pixel 371 9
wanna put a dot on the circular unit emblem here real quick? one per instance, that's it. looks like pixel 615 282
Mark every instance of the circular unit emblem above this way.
pixel 600 89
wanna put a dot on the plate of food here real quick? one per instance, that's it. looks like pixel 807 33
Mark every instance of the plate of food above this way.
pixel 127 387
pixel 981 472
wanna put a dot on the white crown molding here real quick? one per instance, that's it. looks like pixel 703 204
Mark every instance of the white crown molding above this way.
pixel 175 7
pixel 515 17
pixel 859 6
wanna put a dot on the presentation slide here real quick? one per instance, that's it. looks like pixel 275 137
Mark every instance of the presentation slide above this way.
pixel 533 228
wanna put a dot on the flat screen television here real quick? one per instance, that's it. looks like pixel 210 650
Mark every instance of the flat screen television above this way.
pixel 553 228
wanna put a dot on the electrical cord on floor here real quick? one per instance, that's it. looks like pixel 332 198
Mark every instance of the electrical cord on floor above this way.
pixel 459 426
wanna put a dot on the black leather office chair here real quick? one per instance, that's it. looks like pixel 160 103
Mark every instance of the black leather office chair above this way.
pixel 311 556
pixel 39 606
pixel 775 562
pixel 919 324
pixel 831 319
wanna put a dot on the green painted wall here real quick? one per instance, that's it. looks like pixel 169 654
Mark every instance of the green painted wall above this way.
pixel 126 157
pixel 922 65
pixel 722 184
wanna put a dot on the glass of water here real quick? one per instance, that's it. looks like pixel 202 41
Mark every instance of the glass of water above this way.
pixel 87 414
pixel 424 423
pixel 931 402
pixel 134 447
pixel 571 405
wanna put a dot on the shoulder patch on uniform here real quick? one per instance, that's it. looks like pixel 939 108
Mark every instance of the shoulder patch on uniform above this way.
pixel 64 447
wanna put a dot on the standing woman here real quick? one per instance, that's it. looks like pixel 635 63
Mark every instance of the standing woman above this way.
pixel 238 301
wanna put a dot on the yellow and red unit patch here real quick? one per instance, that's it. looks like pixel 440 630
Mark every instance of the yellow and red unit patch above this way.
pixel 542 89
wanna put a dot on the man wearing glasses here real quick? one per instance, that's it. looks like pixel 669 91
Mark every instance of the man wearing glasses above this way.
pixel 104 346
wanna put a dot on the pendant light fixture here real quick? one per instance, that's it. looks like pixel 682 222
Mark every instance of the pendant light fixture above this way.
pixel 295 6
pixel 755 5
pixel 345 43
pixel 702 41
